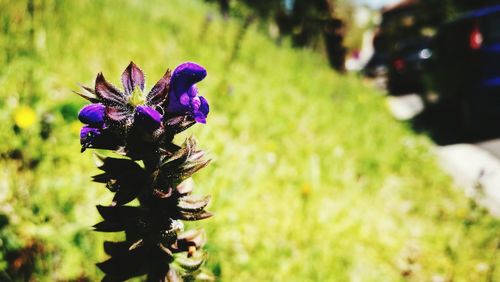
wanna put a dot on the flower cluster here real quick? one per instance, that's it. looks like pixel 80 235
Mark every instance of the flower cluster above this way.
pixel 141 127
pixel 172 104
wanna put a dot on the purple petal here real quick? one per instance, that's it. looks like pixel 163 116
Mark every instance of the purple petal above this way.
pixel 200 117
pixel 107 93
pixel 192 91
pixel 91 137
pixel 175 106
pixel 185 75
pixel 159 92
pixel 88 132
pixel 92 114
pixel 132 77
pixel 204 107
pixel 184 99
pixel 87 136
pixel 201 113
pixel 147 118
pixel 195 103
pixel 179 103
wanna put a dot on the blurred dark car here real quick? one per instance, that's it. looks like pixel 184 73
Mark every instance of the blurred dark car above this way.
pixel 464 71
pixel 377 65
pixel 406 65
pixel 400 45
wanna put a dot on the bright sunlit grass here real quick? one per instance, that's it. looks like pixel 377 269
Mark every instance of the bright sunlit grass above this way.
pixel 311 180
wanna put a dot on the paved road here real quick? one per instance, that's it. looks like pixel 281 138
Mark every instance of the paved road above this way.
pixel 492 146
pixel 473 164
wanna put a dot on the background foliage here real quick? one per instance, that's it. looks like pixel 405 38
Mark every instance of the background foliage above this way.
pixel 311 180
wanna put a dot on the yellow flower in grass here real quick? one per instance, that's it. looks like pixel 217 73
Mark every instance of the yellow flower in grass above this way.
pixel 306 190
pixel 24 117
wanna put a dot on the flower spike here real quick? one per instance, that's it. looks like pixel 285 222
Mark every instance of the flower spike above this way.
pixel 142 128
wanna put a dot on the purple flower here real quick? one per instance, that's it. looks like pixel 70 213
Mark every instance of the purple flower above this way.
pixel 93 115
pixel 87 134
pixel 114 112
pixel 118 103
pixel 183 95
pixel 142 128
pixel 91 137
pixel 97 138
pixel 147 118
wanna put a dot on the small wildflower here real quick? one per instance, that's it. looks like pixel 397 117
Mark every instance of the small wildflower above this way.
pixel 306 190
pixel 24 117
pixel 184 94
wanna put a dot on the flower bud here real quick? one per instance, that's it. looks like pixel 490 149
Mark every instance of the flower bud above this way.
pixel 147 118
pixel 93 115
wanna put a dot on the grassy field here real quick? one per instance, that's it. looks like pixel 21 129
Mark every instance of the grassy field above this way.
pixel 312 180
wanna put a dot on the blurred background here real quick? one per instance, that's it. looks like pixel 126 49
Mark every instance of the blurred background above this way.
pixel 313 178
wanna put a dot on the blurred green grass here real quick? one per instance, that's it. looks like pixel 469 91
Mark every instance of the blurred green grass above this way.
pixel 311 181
